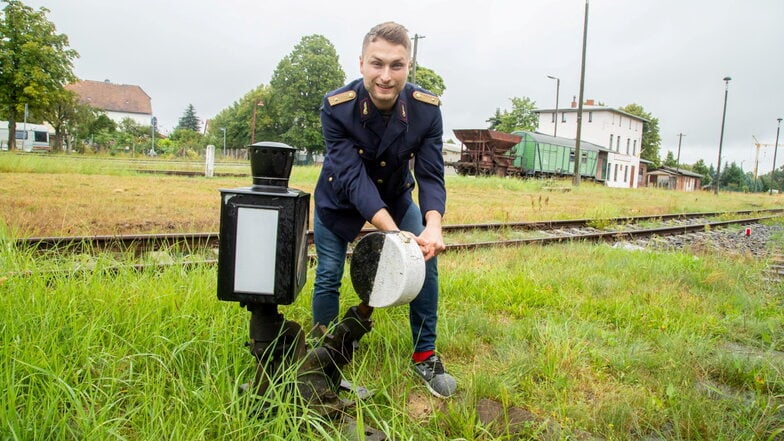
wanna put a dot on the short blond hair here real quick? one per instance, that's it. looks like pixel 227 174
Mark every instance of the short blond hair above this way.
pixel 390 31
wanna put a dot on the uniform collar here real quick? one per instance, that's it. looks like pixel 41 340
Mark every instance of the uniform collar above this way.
pixel 368 110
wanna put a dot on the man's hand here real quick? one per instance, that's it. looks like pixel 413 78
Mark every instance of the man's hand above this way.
pixel 431 241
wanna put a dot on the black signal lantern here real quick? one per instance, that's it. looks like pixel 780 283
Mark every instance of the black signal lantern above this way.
pixel 263 232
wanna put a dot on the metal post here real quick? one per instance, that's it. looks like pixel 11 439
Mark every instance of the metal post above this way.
pixel 153 123
pixel 576 177
pixel 557 90
pixel 775 151
pixel 224 141
pixel 253 124
pixel 721 137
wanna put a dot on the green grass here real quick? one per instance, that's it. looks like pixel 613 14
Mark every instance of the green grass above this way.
pixel 593 340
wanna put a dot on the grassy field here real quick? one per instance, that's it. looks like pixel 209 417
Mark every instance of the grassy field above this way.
pixel 69 195
pixel 573 341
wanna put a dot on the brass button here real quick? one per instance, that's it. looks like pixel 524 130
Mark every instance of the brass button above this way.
pixel 383 163
pixel 329 179
pixel 380 181
pixel 360 151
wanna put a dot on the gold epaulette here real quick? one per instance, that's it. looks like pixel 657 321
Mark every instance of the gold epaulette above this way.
pixel 343 97
pixel 426 98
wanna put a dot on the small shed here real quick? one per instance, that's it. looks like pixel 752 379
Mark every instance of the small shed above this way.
pixel 673 178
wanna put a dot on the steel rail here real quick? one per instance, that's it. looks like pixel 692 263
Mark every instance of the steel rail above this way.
pixel 586 237
pixel 192 241
pixel 610 235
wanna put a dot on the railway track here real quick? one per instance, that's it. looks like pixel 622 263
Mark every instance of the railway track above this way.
pixel 625 228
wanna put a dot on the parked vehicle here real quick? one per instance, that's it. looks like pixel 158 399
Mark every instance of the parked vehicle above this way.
pixel 29 137
pixel 520 154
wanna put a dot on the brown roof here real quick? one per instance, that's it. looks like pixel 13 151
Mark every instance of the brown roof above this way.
pixel 107 96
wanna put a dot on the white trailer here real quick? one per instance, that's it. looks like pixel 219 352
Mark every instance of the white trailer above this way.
pixel 29 137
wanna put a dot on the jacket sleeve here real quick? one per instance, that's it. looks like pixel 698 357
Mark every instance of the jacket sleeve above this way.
pixel 429 168
pixel 347 175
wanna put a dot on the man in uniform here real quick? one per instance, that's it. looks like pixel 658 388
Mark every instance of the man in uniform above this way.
pixel 373 128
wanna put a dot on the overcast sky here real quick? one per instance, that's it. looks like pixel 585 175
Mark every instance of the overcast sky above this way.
pixel 668 56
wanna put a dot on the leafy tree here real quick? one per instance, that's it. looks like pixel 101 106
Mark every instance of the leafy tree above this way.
pixel 298 86
pixel 495 120
pixel 670 161
pixel 63 113
pixel 701 168
pixel 651 140
pixel 521 117
pixel 428 80
pixel 130 135
pixel 189 120
pixel 185 140
pixel 238 120
pixel 732 177
pixel 35 62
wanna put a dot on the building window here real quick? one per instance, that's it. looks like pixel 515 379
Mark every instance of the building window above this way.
pixel 552 120
pixel 620 120
pixel 590 116
pixel 563 117
pixel 615 174
pixel 630 123
pixel 611 141
pixel 634 148
pixel 628 141
pixel 625 173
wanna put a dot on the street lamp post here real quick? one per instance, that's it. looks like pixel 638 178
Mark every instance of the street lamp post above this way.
pixel 557 89
pixel 775 150
pixel 253 125
pixel 721 137
pixel 223 129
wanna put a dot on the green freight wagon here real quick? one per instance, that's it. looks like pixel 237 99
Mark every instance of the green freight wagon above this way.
pixel 543 155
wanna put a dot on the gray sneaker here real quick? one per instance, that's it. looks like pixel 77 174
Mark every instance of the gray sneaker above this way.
pixel 438 382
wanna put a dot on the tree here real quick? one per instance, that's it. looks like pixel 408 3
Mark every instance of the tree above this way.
pixel 732 177
pixel 238 120
pixel 428 80
pixel 701 168
pixel 64 112
pixel 495 120
pixel 189 120
pixel 35 62
pixel 299 84
pixel 670 161
pixel 651 141
pixel 521 117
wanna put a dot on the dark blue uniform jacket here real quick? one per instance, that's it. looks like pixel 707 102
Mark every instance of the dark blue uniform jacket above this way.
pixel 366 166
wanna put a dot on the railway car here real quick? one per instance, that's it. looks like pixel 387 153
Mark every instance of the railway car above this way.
pixel 29 137
pixel 521 154
pixel 538 154
pixel 486 152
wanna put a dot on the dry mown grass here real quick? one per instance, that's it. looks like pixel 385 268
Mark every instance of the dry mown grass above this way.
pixel 61 204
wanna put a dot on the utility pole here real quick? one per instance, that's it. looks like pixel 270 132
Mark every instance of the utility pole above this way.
pixel 577 161
pixel 721 137
pixel 775 150
pixel 678 160
pixel 414 60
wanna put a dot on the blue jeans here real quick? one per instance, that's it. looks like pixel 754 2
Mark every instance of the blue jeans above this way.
pixel 331 254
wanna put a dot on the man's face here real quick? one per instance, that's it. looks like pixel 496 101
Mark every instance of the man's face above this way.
pixel 384 67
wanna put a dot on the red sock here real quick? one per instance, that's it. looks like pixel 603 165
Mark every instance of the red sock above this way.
pixel 419 357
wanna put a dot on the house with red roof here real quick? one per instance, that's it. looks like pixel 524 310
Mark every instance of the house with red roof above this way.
pixel 117 101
